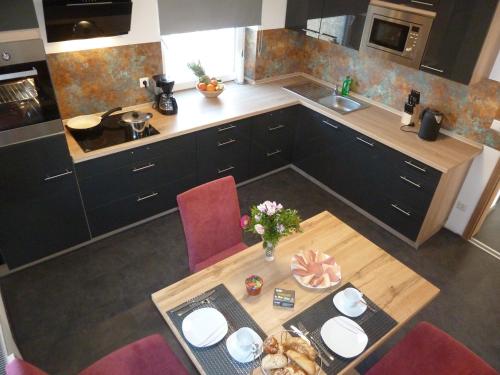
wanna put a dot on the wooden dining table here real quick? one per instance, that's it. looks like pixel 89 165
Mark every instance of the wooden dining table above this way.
pixel 390 284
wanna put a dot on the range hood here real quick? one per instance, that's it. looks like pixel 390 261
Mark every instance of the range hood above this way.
pixel 84 19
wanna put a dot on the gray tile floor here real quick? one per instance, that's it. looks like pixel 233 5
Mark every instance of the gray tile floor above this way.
pixel 70 311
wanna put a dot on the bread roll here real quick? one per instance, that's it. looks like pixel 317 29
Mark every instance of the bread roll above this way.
pixel 299 345
pixel 273 361
pixel 271 345
pixel 302 361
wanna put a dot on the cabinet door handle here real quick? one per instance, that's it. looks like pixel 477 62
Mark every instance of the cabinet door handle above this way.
pixel 140 199
pixel 395 206
pixel 410 181
pixel 58 175
pixel 220 130
pixel 415 166
pixel 431 68
pixel 330 124
pixel 150 165
pixel 220 144
pixel 422 3
pixel 276 128
pixel 274 153
pixel 365 142
pixel 310 31
pixel 220 171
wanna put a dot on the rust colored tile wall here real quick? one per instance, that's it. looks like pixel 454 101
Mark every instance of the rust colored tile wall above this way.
pixel 97 80
pixel 469 110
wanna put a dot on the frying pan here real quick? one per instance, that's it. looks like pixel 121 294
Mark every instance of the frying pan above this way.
pixel 88 122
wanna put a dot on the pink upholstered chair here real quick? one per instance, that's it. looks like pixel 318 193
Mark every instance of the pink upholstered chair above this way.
pixel 148 356
pixel 210 215
pixel 428 350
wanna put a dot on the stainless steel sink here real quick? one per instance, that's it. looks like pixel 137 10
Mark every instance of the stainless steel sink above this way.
pixel 326 96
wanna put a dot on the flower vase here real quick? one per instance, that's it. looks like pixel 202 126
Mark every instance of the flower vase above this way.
pixel 269 250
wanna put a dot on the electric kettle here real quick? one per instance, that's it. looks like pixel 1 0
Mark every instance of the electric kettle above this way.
pixel 431 120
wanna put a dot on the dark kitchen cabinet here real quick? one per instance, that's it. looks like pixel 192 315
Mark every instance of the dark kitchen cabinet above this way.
pixel 456 38
pixel 42 211
pixel 304 16
pixel 422 4
pixel 17 15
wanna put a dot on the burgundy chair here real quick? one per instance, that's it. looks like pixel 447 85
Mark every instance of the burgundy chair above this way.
pixel 210 216
pixel 428 350
pixel 148 356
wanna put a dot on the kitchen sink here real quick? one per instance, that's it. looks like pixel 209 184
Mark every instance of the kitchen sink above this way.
pixel 326 97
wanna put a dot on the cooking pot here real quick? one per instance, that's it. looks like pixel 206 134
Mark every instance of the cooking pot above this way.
pixel 138 121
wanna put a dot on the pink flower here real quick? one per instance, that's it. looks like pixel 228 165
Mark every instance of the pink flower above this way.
pixel 245 219
pixel 259 229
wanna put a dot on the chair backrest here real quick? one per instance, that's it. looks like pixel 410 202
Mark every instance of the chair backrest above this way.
pixel 20 367
pixel 210 215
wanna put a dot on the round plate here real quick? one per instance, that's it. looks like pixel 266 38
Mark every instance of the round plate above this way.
pixel 353 312
pixel 240 356
pixel 344 336
pixel 305 263
pixel 204 327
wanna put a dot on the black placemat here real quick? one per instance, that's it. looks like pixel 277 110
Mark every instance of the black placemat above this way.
pixel 376 324
pixel 216 359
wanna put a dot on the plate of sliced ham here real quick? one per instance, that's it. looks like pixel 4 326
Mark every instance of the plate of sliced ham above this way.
pixel 316 270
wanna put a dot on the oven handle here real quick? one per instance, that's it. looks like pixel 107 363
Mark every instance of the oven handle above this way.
pixel 24 74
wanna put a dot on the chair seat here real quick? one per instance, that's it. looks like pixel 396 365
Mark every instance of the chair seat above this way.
pixel 148 356
pixel 428 350
pixel 220 256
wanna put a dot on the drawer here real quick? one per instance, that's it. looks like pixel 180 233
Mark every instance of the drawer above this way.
pixel 410 192
pixel 137 207
pixel 211 168
pixel 272 126
pixel 404 165
pixel 269 156
pixel 224 135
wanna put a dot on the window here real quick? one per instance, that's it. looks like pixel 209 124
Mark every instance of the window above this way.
pixel 214 48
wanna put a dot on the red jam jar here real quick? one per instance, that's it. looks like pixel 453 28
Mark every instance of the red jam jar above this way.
pixel 254 284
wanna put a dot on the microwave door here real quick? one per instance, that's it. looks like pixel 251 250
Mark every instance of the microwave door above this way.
pixel 389 35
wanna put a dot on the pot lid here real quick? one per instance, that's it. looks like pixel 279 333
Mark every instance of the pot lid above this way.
pixel 135 117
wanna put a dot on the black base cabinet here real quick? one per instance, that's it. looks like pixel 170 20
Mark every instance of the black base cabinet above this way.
pixel 41 207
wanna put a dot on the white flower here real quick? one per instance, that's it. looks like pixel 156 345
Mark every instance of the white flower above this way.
pixel 262 207
pixel 257 218
pixel 259 229
pixel 280 228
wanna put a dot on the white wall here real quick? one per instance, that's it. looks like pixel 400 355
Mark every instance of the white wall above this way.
pixel 8 340
pixel 144 28
pixel 472 189
pixel 273 14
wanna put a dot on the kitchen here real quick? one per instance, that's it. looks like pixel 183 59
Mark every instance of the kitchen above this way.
pixel 90 226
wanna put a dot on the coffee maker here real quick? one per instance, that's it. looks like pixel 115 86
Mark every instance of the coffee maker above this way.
pixel 164 103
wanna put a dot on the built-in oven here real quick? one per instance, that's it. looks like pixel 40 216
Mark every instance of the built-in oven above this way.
pixel 397 33
pixel 28 107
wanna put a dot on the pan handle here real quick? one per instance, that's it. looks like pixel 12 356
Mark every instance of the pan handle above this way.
pixel 106 114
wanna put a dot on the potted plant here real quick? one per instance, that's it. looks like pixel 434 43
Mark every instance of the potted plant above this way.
pixel 272 222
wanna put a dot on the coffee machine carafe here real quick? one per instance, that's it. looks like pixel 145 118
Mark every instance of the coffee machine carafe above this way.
pixel 165 103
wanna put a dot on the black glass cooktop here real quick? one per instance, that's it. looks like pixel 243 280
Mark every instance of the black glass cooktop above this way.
pixel 110 132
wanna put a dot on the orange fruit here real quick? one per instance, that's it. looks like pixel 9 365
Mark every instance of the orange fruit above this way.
pixel 214 82
pixel 202 86
pixel 210 87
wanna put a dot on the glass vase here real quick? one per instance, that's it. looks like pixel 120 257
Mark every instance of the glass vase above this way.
pixel 269 248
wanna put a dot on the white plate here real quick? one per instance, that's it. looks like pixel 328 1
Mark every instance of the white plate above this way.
pixel 237 353
pixel 204 327
pixel 344 336
pixel 340 303
pixel 320 257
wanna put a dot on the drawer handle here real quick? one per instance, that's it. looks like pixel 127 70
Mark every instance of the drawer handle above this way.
pixel 140 199
pixel 330 124
pixel 58 175
pixel 220 130
pixel 415 166
pixel 220 171
pixel 365 142
pixel 422 3
pixel 310 31
pixel 274 153
pixel 410 181
pixel 431 68
pixel 220 144
pixel 276 128
pixel 150 165
pixel 395 206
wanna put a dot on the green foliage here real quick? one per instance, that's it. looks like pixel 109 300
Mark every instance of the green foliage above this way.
pixel 199 71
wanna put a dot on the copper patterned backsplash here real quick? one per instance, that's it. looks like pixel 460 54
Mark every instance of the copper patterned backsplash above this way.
pixel 469 110
pixel 100 79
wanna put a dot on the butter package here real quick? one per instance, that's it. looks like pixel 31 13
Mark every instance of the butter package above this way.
pixel 284 298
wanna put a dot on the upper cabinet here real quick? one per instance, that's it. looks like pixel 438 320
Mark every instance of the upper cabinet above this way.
pixel 338 21
pixel 456 38
pixel 17 15
pixel 422 4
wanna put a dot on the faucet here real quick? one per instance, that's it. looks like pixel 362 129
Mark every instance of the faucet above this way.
pixel 336 90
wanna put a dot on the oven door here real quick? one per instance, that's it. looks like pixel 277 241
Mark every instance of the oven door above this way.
pixel 389 35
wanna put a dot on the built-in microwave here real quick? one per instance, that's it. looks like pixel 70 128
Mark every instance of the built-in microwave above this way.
pixel 397 33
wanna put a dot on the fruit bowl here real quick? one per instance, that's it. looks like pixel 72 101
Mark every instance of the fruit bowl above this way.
pixel 211 94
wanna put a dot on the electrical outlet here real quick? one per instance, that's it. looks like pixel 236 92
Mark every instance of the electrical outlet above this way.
pixel 496 125
pixel 461 206
pixel 144 82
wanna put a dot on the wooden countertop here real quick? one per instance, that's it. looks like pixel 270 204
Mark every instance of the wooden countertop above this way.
pixel 241 101
pixel 390 284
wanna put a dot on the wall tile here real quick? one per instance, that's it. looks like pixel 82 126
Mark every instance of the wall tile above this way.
pixel 97 80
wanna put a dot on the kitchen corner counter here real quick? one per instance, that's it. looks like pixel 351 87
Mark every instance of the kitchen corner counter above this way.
pixel 241 101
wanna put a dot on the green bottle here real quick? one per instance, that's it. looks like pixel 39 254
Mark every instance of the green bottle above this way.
pixel 346 86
